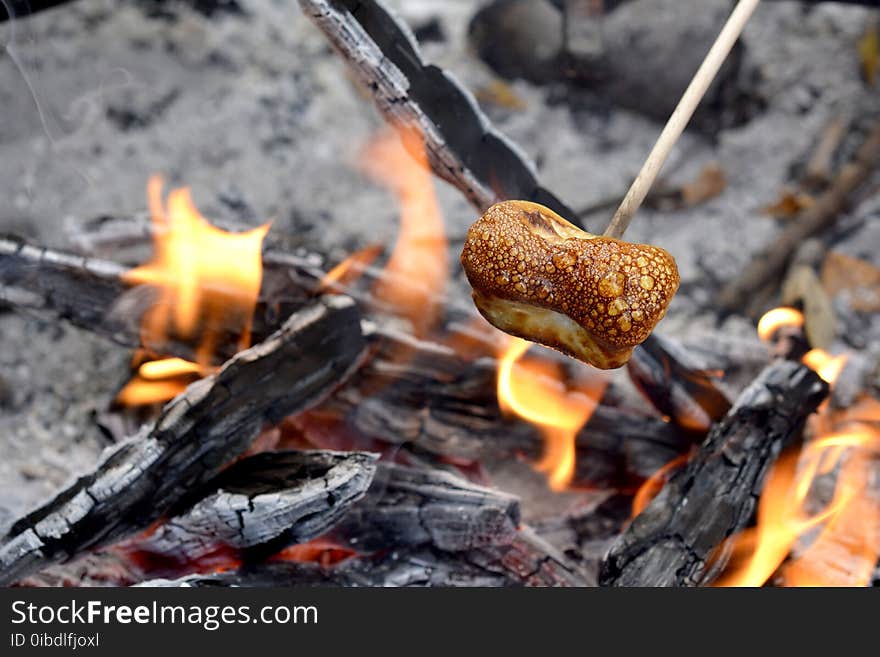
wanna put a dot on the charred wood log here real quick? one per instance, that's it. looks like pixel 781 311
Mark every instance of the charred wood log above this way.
pixel 676 388
pixel 91 294
pixel 463 146
pixel 419 568
pixel 715 494
pixel 414 507
pixel 213 421
pixel 268 501
pixel 526 562
pixel 264 503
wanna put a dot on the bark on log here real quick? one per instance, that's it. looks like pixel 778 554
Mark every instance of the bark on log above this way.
pixel 198 432
pixel 463 147
pixel 264 503
pixel 715 494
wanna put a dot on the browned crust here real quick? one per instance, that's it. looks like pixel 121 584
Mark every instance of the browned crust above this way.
pixel 615 291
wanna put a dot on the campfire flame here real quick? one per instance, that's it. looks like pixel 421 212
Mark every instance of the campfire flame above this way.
pixel 828 367
pixel 775 319
pixel 839 545
pixel 160 380
pixel 654 484
pixel 414 280
pixel 535 392
pixel 206 278
pixel 349 270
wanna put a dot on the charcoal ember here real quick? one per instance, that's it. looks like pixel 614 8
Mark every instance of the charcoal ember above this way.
pixel 525 562
pixel 421 568
pixel 198 432
pixel 263 503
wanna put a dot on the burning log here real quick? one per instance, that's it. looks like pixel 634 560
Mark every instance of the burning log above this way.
pixel 715 494
pixel 528 561
pixel 264 503
pixel 78 289
pixel 213 421
pixel 463 147
pixel 418 568
pixel 91 294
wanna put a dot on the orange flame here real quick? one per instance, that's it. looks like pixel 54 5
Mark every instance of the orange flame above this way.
pixel 415 277
pixel 534 391
pixel 828 367
pixel 775 319
pixel 160 380
pixel 349 270
pixel 139 392
pixel 319 550
pixel 654 484
pixel 206 279
pixel 846 550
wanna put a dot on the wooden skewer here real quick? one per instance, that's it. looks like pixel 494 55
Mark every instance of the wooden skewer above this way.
pixel 680 117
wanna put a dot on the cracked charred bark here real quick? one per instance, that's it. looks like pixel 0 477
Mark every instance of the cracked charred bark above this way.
pixel 715 494
pixel 268 501
pixel 413 507
pixel 264 503
pixel 198 432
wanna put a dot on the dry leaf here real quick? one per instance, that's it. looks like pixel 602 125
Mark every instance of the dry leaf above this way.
pixel 788 205
pixel 501 94
pixel 869 52
pixel 802 287
pixel 709 184
pixel 857 277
